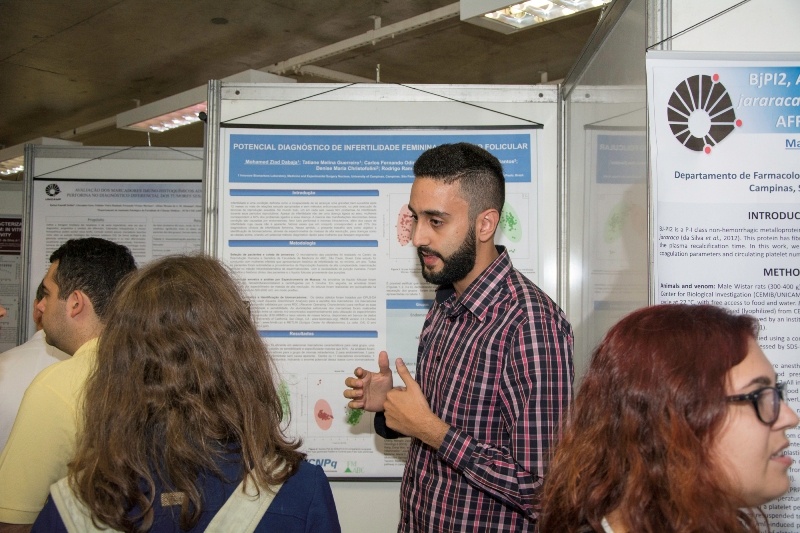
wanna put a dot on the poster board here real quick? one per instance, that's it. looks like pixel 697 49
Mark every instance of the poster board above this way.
pixel 149 199
pixel 615 222
pixel 725 163
pixel 603 94
pixel 10 261
pixel 312 220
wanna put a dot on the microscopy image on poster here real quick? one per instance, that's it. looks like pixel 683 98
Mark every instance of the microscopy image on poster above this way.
pixel 316 226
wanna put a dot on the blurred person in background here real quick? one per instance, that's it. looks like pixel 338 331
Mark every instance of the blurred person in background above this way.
pixel 18 367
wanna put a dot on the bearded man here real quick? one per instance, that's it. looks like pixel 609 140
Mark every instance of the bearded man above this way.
pixel 494 363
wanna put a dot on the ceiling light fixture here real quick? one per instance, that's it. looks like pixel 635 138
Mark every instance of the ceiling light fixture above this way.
pixel 170 120
pixel 184 108
pixel 501 16
pixel 12 159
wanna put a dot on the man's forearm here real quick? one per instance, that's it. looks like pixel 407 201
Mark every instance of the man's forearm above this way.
pixel 433 431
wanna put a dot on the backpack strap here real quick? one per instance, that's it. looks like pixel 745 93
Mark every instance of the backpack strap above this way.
pixel 73 512
pixel 243 510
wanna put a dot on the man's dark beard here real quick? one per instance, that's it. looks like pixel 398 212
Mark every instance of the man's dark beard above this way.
pixel 454 268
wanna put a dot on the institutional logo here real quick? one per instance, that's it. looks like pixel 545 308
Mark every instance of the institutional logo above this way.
pixel 328 465
pixel 52 190
pixel 700 113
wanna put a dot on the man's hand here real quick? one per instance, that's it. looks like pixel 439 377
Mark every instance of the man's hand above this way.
pixel 367 390
pixel 407 411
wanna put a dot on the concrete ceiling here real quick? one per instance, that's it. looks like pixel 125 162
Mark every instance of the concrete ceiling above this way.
pixel 65 64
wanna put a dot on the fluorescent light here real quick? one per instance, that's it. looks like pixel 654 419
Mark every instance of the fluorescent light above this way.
pixel 501 16
pixel 168 121
pixel 12 159
pixel 12 166
pixel 184 108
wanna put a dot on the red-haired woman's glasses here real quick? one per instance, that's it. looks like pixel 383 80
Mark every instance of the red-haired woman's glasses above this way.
pixel 766 401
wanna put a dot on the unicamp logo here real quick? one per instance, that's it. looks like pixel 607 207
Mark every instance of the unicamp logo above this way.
pixel 700 113
pixel 52 190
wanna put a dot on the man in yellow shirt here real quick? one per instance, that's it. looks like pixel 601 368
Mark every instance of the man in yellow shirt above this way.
pixel 79 284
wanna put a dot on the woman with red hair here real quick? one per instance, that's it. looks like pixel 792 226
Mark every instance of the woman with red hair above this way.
pixel 679 426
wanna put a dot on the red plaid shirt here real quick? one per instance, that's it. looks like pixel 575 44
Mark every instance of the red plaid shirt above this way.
pixel 495 364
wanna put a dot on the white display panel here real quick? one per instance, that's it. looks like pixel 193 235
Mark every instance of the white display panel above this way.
pixel 10 261
pixel 725 161
pixel 316 227
pixel 147 199
pixel 615 226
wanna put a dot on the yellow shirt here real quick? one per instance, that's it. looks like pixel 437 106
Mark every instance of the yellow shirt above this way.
pixel 43 437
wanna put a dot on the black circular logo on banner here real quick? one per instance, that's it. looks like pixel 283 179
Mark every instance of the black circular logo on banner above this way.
pixel 700 113
pixel 52 189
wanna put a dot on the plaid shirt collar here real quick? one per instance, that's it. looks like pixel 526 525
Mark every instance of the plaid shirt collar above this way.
pixel 481 292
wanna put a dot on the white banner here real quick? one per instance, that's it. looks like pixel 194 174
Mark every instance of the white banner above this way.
pixel 725 161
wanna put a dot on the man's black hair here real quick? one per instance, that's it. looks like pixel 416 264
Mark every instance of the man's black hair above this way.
pixel 94 266
pixel 479 173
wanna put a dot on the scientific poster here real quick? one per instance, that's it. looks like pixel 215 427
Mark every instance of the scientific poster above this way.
pixel 614 222
pixel 315 224
pixel 151 218
pixel 10 276
pixel 725 160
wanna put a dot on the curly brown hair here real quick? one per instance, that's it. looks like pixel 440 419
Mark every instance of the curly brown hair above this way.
pixel 182 378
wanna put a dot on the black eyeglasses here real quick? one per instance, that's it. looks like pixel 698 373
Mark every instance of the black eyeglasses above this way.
pixel 766 401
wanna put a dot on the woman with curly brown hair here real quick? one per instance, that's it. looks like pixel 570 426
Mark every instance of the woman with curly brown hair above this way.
pixel 182 425
pixel 678 426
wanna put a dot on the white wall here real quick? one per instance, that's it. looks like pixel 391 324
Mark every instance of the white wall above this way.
pixel 367 507
pixel 11 198
pixel 757 26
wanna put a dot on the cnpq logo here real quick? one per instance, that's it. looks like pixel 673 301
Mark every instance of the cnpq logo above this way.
pixel 52 190
pixel 328 465
pixel 700 113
